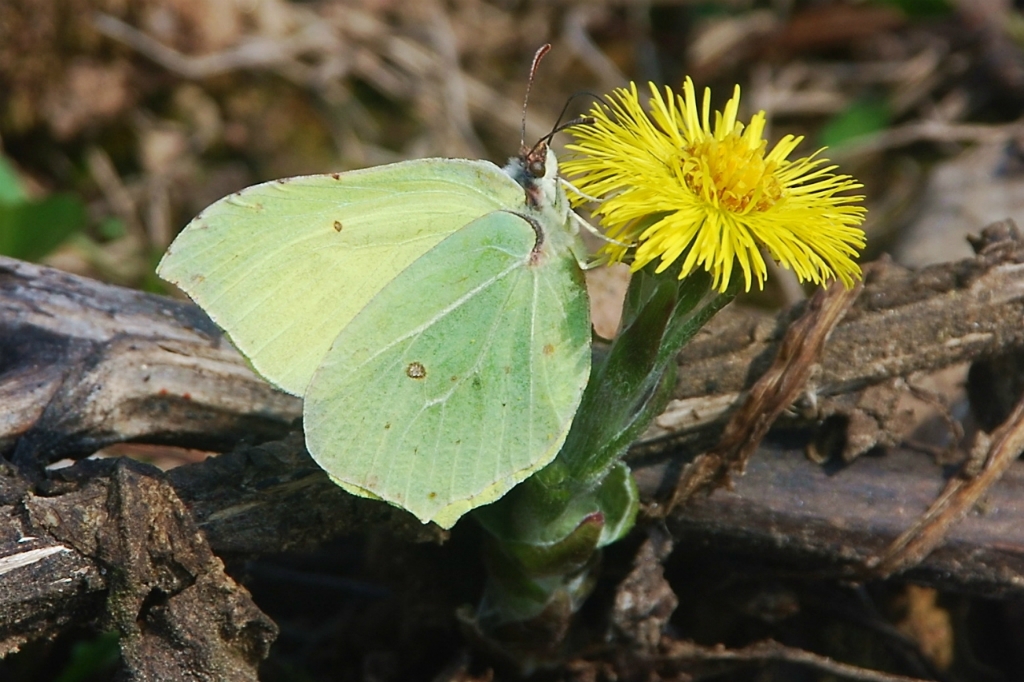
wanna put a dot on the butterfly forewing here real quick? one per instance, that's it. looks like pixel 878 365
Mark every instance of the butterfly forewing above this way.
pixel 285 265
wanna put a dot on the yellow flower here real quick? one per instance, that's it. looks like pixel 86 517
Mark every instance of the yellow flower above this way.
pixel 670 185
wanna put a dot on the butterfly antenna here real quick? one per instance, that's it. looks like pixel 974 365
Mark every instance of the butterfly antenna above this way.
pixel 543 50
pixel 579 120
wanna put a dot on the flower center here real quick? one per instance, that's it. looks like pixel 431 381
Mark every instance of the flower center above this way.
pixel 730 174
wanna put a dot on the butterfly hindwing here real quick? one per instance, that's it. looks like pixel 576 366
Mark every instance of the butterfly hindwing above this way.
pixel 460 377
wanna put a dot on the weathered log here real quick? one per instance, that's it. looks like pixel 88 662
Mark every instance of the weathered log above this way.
pixel 83 365
pixel 119 547
pixel 790 515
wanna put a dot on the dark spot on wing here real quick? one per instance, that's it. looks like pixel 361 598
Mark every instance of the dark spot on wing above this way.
pixel 476 382
pixel 549 349
pixel 416 370
pixel 432 495
pixel 337 226
pixel 454 378
pixel 387 425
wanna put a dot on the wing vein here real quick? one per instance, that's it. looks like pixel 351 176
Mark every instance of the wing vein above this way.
pixel 441 314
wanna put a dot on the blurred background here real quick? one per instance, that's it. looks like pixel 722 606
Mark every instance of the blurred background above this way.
pixel 121 119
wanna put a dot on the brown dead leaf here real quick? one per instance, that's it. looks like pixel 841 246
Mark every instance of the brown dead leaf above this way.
pixel 928 624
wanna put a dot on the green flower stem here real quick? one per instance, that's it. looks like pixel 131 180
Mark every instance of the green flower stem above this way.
pixel 546 532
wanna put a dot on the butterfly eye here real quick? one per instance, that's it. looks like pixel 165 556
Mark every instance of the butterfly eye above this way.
pixel 536 167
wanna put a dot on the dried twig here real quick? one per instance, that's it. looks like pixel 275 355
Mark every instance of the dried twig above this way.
pixel 956 500
pixel 925 131
pixel 683 652
pixel 578 38
pixel 396 64
pixel 774 392
pixel 254 53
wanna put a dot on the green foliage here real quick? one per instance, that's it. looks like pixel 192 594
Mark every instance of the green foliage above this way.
pixel 92 659
pixel 921 9
pixel 862 117
pixel 32 228
pixel 547 530
pixel 11 190
pixel 112 228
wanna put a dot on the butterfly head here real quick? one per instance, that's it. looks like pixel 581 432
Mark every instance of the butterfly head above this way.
pixel 536 171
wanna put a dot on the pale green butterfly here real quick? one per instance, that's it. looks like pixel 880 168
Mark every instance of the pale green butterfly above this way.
pixel 432 314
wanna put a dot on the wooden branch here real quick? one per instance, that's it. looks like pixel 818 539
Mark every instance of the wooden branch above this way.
pixel 789 515
pixel 961 495
pixel 83 364
pixel 119 544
